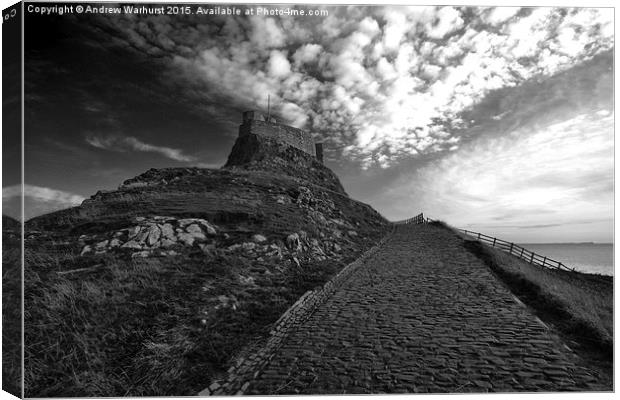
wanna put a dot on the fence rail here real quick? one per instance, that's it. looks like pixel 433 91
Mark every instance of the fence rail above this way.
pixel 418 219
pixel 516 250
pixel 509 247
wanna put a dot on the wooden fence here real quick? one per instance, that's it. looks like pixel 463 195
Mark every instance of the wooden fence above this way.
pixel 418 219
pixel 509 247
pixel 518 251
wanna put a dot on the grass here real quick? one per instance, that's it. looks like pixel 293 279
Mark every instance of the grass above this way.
pixel 578 305
pixel 440 224
pixel 11 313
pixel 151 327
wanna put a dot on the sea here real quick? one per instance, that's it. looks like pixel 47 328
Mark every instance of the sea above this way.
pixel 594 258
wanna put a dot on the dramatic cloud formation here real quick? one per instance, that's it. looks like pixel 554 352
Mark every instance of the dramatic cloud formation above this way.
pixel 128 143
pixel 539 165
pixel 394 79
pixel 38 200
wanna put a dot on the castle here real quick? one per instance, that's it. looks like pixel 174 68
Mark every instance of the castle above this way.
pixel 256 123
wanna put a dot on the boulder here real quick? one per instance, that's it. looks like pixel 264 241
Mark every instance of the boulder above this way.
pixel 132 232
pixel 292 241
pixel 186 221
pixel 154 233
pixel 132 244
pixel 142 235
pixel 102 245
pixel 209 228
pixel 259 238
pixel 197 235
pixel 86 249
pixel 167 231
pixel 186 238
pixel 189 221
pixel 234 247
pixel 193 228
pixel 167 243
pixel 248 246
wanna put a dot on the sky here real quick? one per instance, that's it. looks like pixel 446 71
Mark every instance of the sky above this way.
pixel 497 120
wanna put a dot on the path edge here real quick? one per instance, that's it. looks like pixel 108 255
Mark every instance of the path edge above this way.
pixel 245 369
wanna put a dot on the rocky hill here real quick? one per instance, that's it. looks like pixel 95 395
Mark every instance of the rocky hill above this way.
pixel 164 280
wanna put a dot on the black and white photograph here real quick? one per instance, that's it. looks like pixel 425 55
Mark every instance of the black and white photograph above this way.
pixel 272 199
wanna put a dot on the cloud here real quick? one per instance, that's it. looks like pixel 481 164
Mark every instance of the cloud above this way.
pixel 535 156
pixel 448 19
pixel 37 200
pixel 377 84
pixel 547 176
pixel 307 54
pixel 266 33
pixel 42 193
pixel 498 15
pixel 279 66
pixel 130 143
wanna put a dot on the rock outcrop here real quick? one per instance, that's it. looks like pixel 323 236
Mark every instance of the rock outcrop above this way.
pixel 151 236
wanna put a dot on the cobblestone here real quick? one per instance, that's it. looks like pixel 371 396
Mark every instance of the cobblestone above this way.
pixel 420 314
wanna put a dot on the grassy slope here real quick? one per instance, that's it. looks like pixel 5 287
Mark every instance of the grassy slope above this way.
pixel 138 327
pixel 578 305
pixel 11 307
pixel 151 327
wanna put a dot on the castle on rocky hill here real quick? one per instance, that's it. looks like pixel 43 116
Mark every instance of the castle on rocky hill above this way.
pixel 256 123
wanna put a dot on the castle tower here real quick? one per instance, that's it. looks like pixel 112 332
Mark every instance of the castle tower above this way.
pixel 257 123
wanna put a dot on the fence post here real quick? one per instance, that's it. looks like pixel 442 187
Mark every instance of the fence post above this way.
pixel 522 255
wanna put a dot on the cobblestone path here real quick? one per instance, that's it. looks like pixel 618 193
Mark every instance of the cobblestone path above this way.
pixel 421 315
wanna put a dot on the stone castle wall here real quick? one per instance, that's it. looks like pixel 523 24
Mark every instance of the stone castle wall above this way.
pixel 297 138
